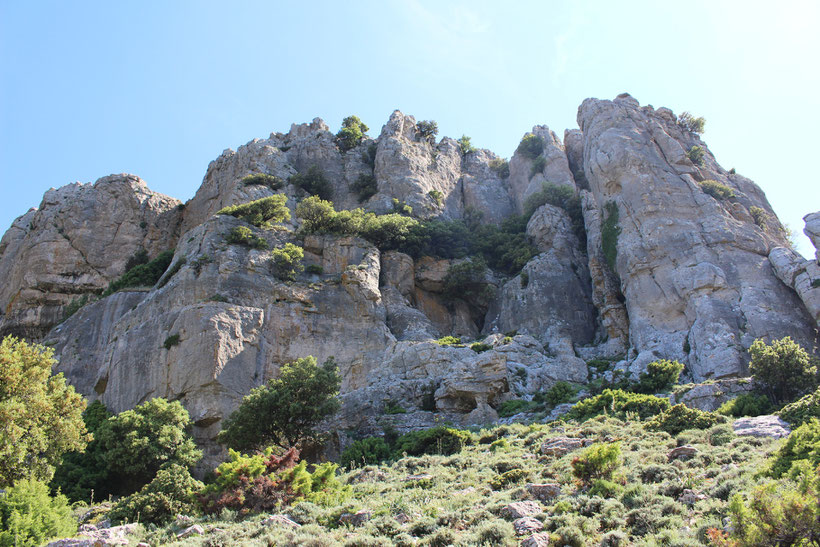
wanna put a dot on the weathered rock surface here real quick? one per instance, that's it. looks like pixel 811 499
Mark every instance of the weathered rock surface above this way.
pixel 94 536
pixel 710 396
pixel 762 426
pixel 812 230
pixel 75 244
pixel 521 509
pixel 800 274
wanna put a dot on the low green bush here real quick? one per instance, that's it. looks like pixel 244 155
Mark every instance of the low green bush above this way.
pixel 783 369
pixel 437 196
pixel 515 406
pixel 427 130
pixel 446 341
pixel 351 133
pixel 746 404
pixel 598 461
pixel 143 275
pixel 605 488
pixel 171 341
pixel 467 281
pixel 562 196
pixel 262 213
pixel 717 189
pixel 759 216
pixel 500 167
pixel 659 377
pixel 691 123
pixel 531 146
pixel 538 166
pixel 242 235
pixel 465 145
pixel 802 410
pixel 618 403
pixel 314 182
pixel 438 440
pixel 480 347
pixel 365 187
pixel 287 261
pixel 696 154
pixel 560 393
pixel 170 493
pixel 263 179
pixel 506 478
pixel 29 516
pixel 368 451
pixel 802 444
pixel 314 269
pixel 680 417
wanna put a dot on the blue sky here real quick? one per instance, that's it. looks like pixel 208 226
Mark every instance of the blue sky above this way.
pixel 159 89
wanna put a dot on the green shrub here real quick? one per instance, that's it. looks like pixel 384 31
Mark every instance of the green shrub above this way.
pixel 783 369
pixel 467 281
pixel 696 154
pixel 759 216
pixel 616 402
pixel 746 404
pixel 717 189
pixel 437 196
pixel 560 393
pixel 137 443
pixel 500 167
pixel 480 347
pixel 392 407
pixel 538 166
pixel 369 451
pixel 598 461
pixel 531 146
pixel 314 269
pixel 287 261
pixel 802 410
pixel 286 409
pixel 365 187
pixel 242 235
pixel 139 258
pixel 465 145
pixel 143 275
pixel 659 377
pixel 401 208
pixel 351 133
pixel 29 516
pixel 802 444
pixel 170 493
pixel 446 341
pixel 75 305
pixel 438 440
pixel 263 179
pixel 558 195
pixel 427 130
pixel 506 478
pixel 691 123
pixel 261 213
pixel 515 406
pixel 681 417
pixel 171 341
pixel 314 182
pixel 610 230
pixel 605 488
pixel 495 532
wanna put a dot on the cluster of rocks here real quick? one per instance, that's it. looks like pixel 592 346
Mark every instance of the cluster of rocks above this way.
pixel 687 276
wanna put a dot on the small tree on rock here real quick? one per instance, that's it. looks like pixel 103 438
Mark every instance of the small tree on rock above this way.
pixel 285 410
pixel 783 368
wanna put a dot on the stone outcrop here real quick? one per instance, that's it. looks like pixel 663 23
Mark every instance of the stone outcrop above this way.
pixel 798 273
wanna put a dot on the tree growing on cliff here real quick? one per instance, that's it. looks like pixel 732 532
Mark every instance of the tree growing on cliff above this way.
pixel 40 416
pixel 286 410
pixel 783 369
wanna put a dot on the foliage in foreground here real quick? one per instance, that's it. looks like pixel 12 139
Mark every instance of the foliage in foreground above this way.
pixel 286 410
pixel 142 275
pixel 783 369
pixel 29 516
pixel 262 213
pixel 170 493
pixel 40 415
pixel 616 402
pixel 802 410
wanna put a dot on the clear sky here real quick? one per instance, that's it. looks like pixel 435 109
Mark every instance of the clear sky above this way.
pixel 160 88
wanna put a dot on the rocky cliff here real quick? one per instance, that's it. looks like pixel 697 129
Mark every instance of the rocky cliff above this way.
pixel 659 268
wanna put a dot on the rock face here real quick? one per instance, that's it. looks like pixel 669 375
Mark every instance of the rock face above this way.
pixel 74 244
pixel 678 275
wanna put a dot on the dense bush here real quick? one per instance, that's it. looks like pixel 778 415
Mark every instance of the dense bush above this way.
pixel 242 235
pixel 803 444
pixel 560 393
pixel 261 213
pixel 467 281
pixel 142 275
pixel 427 130
pixel 696 154
pixel 137 443
pixel 515 406
pixel 371 450
pixel 29 516
pixel 263 179
pixel 500 167
pixel 802 410
pixel 558 195
pixel 286 261
pixel 286 409
pixel 746 404
pixel 438 440
pixel 616 402
pixel 691 123
pixel 170 493
pixel 759 216
pixel 531 146
pixel 717 189
pixel 40 415
pixel 351 133
pixel 365 187
pixel 659 377
pixel 610 230
pixel 465 145
pixel 783 369
pixel 598 461
pixel 681 417
pixel 140 257
pixel 446 341
pixel 314 182
pixel 436 196
pixel 538 166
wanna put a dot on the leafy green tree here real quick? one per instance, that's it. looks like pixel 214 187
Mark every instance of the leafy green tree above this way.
pixel 691 123
pixel 531 146
pixel 171 493
pixel 142 275
pixel 287 261
pixel 465 145
pixel 29 516
pixel 261 212
pixel 314 182
pixel 660 376
pixel 783 369
pixel 40 416
pixel 137 443
pixel 351 133
pixel 286 410
pixel 427 130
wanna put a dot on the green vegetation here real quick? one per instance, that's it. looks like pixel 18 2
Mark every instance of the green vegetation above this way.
pixel 560 393
pixel 285 411
pixel 680 417
pixel 242 235
pixel 76 305
pixel 40 415
pixel 438 440
pixel 286 261
pixel 783 369
pixel 717 189
pixel 171 341
pixel 516 406
pixel 314 269
pixel 446 341
pixel 365 187
pixel 691 123
pixel 262 213
pixel 531 146
pixel 368 451
pixel 562 196
pixel 659 377
pixel 465 145
pixel 468 281
pixel 480 347
pixel 759 216
pixel 598 461
pixel 500 167
pixel 616 402
pixel 142 275
pixel 437 196
pixel 696 154
pixel 170 493
pixel 313 182
pixel 29 516
pixel 351 133
pixel 803 444
pixel 802 410
pixel 610 230
pixel 263 179
pixel 746 404
pixel 427 130
pixel 538 166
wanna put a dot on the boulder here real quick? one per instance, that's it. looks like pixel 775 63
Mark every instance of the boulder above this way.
pixel 544 492
pixel 762 426
pixel 527 525
pixel 684 452
pixel 560 446
pixel 541 539
pixel 521 509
